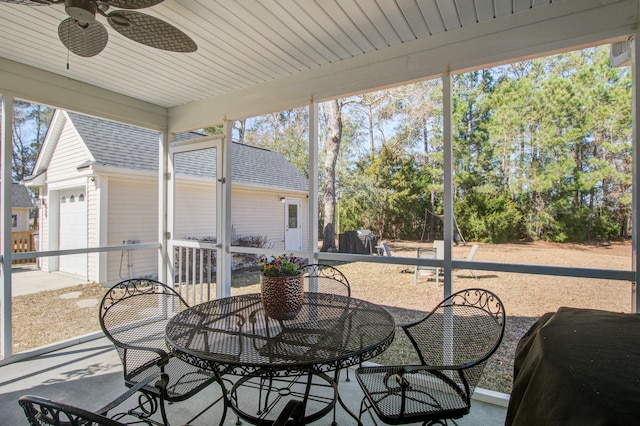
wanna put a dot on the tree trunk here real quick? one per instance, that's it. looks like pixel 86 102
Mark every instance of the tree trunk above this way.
pixel 372 147
pixel 332 147
pixel 241 130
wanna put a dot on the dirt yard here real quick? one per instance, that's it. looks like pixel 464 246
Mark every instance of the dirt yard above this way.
pixel 73 311
pixel 526 297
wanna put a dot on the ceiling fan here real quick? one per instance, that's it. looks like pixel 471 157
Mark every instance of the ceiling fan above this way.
pixel 83 35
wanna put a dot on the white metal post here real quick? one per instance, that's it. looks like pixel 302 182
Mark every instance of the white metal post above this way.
pixel 5 224
pixel 164 263
pixel 448 212
pixel 635 183
pixel 223 186
pixel 313 180
pixel 448 178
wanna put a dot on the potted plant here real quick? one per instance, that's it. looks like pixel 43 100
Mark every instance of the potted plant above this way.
pixel 281 286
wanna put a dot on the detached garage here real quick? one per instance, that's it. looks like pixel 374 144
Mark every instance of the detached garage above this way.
pixel 98 181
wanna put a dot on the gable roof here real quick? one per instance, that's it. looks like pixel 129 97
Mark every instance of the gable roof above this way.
pixel 20 196
pixel 122 146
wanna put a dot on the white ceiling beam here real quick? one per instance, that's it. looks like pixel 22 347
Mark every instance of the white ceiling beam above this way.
pixel 553 28
pixel 43 87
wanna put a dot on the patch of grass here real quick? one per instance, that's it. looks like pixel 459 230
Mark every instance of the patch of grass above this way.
pixel 48 317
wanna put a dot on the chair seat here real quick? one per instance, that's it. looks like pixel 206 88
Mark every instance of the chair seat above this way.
pixel 185 380
pixel 429 395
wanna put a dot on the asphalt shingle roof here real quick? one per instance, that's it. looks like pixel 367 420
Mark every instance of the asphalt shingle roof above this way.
pixel 20 196
pixel 127 147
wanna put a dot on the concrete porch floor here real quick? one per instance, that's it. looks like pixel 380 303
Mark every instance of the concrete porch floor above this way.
pixel 89 375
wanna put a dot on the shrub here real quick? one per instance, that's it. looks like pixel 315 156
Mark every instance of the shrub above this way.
pixel 489 218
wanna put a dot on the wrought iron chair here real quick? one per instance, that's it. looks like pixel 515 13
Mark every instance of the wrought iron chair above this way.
pixel 326 279
pixel 291 415
pixel 453 343
pixel 133 315
pixel 45 412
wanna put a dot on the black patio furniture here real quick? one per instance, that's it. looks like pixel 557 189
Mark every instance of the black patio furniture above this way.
pixel 291 415
pixel 42 411
pixel 234 336
pixel 46 412
pixel 317 278
pixel 454 342
pixel 577 367
pixel 325 279
pixel 357 242
pixel 133 315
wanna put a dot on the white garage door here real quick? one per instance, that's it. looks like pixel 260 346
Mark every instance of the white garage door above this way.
pixel 73 231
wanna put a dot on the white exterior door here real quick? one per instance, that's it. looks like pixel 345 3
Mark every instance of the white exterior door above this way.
pixel 292 225
pixel 73 230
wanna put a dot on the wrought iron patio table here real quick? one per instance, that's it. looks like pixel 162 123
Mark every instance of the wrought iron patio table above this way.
pixel 234 337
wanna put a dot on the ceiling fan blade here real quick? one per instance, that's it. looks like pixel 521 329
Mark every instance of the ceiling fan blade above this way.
pixel 28 2
pixel 83 39
pixel 151 31
pixel 131 4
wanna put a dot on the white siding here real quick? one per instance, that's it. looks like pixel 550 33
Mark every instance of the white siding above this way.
pixel 70 152
pixel 261 213
pixel 132 215
pixel 131 212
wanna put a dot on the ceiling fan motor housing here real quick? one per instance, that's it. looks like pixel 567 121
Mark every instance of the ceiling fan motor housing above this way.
pixel 81 10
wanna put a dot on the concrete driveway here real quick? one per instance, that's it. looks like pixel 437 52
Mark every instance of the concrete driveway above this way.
pixel 28 279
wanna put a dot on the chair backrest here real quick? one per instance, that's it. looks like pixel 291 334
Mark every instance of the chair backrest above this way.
pixel 427 253
pixel 44 412
pixel 385 247
pixel 134 313
pixel 325 279
pixel 439 246
pixel 474 249
pixel 464 329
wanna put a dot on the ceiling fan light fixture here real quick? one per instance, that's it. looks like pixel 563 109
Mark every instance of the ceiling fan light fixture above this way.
pixel 81 10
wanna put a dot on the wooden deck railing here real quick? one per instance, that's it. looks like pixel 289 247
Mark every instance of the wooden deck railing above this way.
pixel 23 241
